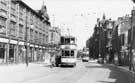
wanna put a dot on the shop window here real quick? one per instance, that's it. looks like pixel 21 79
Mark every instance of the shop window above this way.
pixel 11 51
pixel 2 51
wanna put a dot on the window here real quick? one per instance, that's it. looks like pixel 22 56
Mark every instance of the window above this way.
pixel 63 53
pixel 67 40
pixel 21 15
pixel 12 28
pixel 31 34
pixel 13 11
pixel 51 36
pixel 43 38
pixel 67 53
pixel 13 18
pixel 2 21
pixel 46 38
pixel 4 2
pixel 20 31
pixel 13 25
pixel 40 38
pixel 13 5
pixel 72 53
pixel 36 36
pixel 72 41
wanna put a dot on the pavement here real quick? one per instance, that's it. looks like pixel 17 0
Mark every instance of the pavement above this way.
pixel 122 68
pixel 126 70
pixel 14 73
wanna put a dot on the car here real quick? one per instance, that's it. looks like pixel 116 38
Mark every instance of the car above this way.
pixel 100 60
pixel 85 59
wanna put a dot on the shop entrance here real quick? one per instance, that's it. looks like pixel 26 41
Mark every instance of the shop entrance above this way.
pixel 2 53
pixel 11 53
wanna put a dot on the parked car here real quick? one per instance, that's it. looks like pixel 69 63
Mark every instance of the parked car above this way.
pixel 100 60
pixel 85 59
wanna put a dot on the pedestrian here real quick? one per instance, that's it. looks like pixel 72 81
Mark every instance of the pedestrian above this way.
pixel 52 61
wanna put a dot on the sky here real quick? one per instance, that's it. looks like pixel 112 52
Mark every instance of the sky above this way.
pixel 79 16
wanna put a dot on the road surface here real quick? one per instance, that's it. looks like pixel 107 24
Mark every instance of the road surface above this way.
pixel 84 72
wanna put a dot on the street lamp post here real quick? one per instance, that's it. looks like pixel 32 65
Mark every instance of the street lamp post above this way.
pixel 99 41
pixel 26 41
pixel 102 32
pixel 130 58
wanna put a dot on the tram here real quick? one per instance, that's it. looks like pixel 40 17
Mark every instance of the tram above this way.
pixel 68 50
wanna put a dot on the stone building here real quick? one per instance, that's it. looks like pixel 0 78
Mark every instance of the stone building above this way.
pixel 124 27
pixel 24 33
pixel 54 39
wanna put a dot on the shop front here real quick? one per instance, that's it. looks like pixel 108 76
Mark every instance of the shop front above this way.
pixel 36 53
pixel 11 57
pixel 21 54
pixel 124 57
pixel 31 55
pixel 2 52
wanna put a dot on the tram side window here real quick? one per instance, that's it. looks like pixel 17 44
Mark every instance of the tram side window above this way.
pixel 67 40
pixel 72 40
pixel 72 53
pixel 62 40
pixel 66 53
pixel 63 53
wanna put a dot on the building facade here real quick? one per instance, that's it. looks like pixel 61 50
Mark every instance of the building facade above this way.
pixel 23 33
pixel 54 38
pixel 124 27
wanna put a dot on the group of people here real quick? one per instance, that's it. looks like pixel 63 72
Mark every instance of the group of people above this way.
pixel 55 60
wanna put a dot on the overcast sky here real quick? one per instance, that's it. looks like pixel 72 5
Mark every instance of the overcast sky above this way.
pixel 80 15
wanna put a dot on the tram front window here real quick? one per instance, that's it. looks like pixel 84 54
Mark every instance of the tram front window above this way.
pixel 66 53
pixel 67 40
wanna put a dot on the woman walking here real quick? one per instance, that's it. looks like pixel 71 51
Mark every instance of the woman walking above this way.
pixel 52 61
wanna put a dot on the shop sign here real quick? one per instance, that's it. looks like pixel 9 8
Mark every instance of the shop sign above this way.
pixel 4 40
pixel 31 45
pixel 36 46
pixel 13 41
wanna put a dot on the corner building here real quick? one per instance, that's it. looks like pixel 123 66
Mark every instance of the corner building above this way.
pixel 21 27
